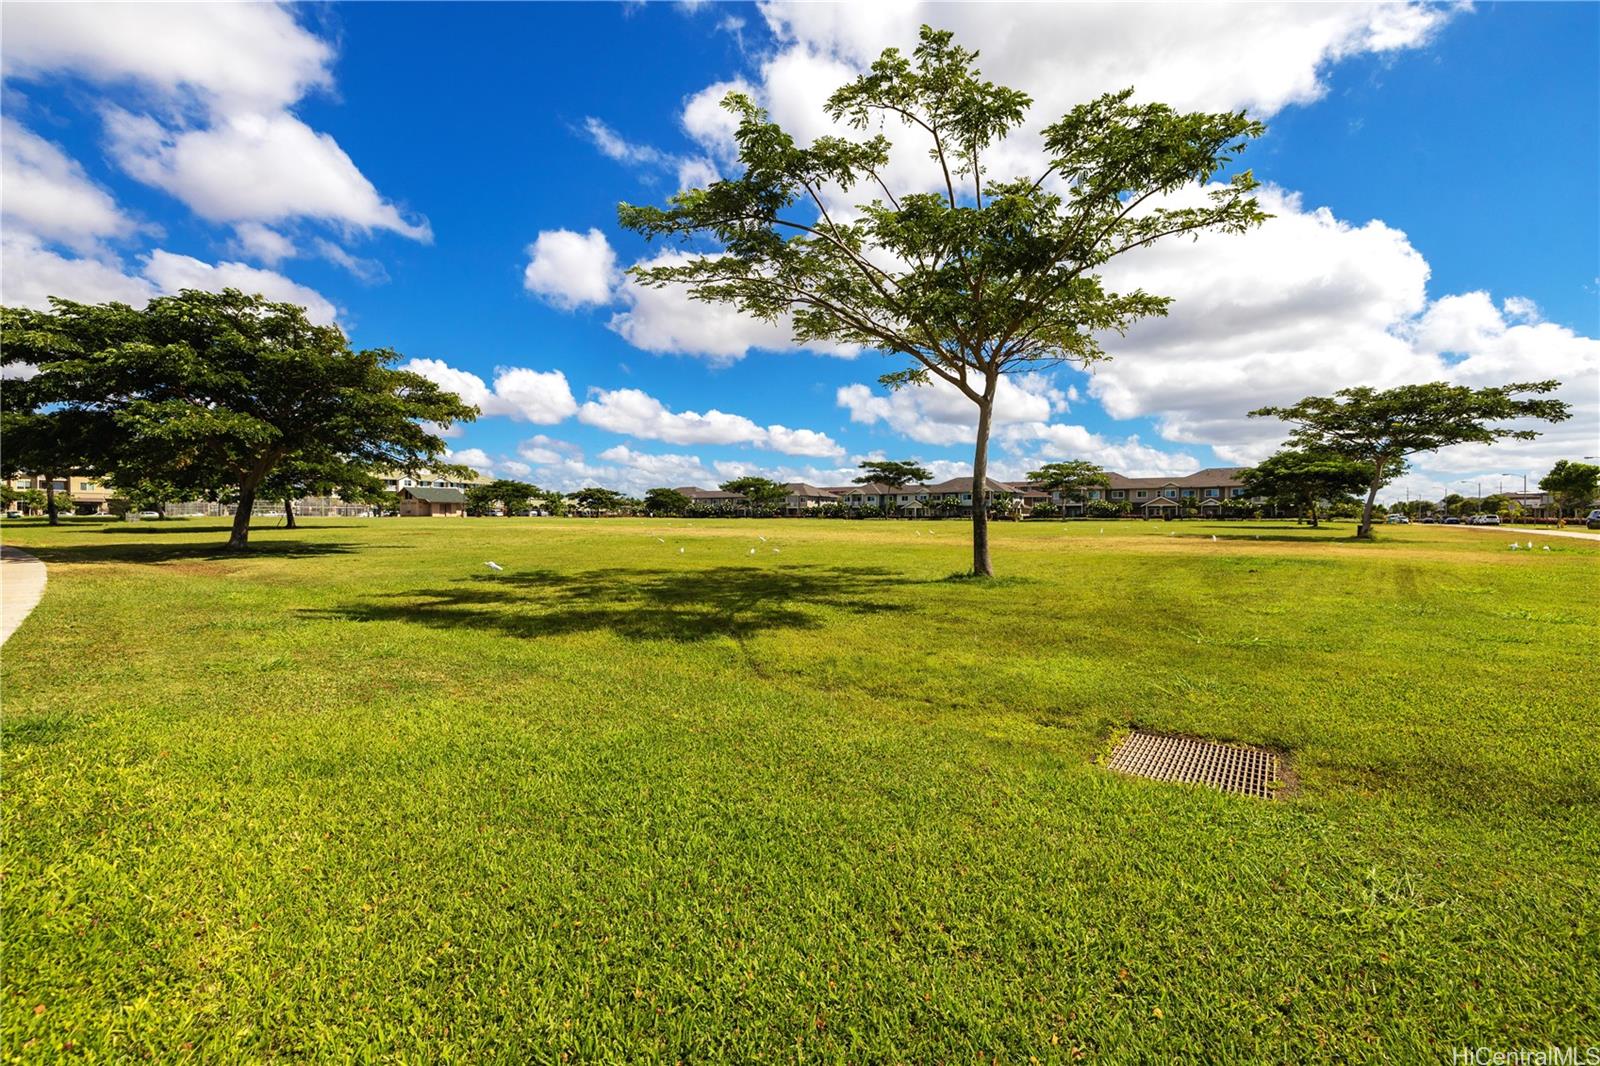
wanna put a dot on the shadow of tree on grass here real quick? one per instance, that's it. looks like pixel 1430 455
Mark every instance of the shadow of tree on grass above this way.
pixel 685 606
pixel 209 549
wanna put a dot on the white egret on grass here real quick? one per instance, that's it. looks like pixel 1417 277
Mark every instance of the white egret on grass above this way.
pixel 1546 547
pixel 752 551
pixel 1213 538
pixel 494 566
pixel 1515 546
pixel 680 551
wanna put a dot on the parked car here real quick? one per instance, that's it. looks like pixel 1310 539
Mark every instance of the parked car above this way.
pixel 1430 521
pixel 1594 519
pixel 1488 520
pixel 1452 521
pixel 149 514
pixel 13 514
pixel 1398 520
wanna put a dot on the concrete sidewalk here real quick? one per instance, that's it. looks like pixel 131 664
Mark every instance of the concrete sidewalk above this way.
pixel 21 585
pixel 1533 531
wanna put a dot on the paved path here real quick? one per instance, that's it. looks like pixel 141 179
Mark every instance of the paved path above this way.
pixel 1532 531
pixel 21 586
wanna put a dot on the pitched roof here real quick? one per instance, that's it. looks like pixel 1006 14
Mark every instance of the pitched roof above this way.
pixel 964 484
pixel 800 488
pixel 1212 477
pixel 432 495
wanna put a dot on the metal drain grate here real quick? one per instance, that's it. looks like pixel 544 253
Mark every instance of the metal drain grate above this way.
pixel 1243 771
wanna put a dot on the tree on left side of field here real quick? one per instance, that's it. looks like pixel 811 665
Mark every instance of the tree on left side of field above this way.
pixel 212 391
pixel 1071 478
pixel 1304 479
pixel 1378 428
pixel 38 436
pixel 666 502
pixel 1572 485
pixel 763 495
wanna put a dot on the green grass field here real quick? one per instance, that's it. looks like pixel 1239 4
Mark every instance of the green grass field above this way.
pixel 355 796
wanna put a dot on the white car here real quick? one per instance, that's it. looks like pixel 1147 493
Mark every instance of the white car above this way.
pixel 149 514
pixel 1398 520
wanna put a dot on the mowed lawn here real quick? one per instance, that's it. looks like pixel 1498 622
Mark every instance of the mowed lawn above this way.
pixel 645 795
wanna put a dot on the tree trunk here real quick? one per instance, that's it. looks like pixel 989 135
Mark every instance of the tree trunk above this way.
pixel 981 566
pixel 50 500
pixel 239 538
pixel 1313 507
pixel 1365 529
pixel 288 513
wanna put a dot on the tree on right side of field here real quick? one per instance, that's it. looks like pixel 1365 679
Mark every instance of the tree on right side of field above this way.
pixel 1071 478
pixel 1572 485
pixel 1304 479
pixel 303 475
pixel 510 496
pixel 1378 428
pixel 763 495
pixel 599 500
pixel 666 502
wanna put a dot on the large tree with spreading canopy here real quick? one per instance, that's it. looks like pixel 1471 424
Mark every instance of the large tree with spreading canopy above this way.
pixel 1381 428
pixel 986 275
pixel 211 392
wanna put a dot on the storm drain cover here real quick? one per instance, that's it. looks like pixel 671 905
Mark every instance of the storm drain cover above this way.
pixel 1242 771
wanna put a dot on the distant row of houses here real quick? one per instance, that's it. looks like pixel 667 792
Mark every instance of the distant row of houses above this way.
pixel 1205 490
pixel 423 493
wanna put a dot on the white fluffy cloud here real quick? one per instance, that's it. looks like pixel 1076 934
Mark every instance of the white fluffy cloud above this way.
pixel 221 79
pixel 542 397
pixel 1308 304
pixel 239 55
pixel 638 414
pixel 253 167
pixel 1277 53
pixel 32 272
pixel 263 243
pixel 937 413
pixel 570 269
pixel 668 320
pixel 169 273
pixel 48 194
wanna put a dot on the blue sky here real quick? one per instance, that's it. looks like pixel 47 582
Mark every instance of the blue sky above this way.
pixel 443 180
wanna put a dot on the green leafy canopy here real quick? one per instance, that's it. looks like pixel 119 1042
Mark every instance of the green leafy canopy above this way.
pixel 976 275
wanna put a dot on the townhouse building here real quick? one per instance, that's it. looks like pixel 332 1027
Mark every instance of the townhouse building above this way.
pixel 1204 491
pixel 88 494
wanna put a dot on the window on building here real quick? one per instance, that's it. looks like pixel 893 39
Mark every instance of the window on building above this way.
pixel 1143 494
pixel 1238 492
pixel 1094 494
pixel 1119 495
pixel 1188 492
pixel 1213 492
pixel 966 497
